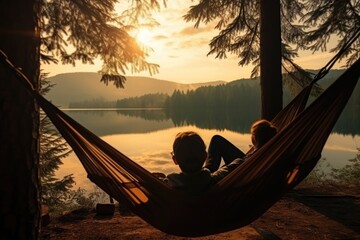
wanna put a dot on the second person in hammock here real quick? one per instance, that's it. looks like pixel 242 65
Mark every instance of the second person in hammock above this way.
pixel 200 169
pixel 221 149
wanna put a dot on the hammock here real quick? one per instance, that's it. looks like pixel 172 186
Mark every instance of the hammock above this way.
pixel 238 199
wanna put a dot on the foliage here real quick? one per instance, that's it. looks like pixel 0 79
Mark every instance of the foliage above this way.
pixel 214 103
pixel 54 191
pixel 77 199
pixel 153 100
pixel 86 30
pixel 58 193
pixel 209 109
pixel 238 25
pixel 73 31
pixel 350 174
pixel 305 25
pixel 318 176
pixel 325 19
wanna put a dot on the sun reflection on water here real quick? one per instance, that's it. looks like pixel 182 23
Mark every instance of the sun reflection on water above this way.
pixel 152 150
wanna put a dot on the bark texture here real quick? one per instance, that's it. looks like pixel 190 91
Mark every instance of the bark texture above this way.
pixel 19 122
pixel 270 59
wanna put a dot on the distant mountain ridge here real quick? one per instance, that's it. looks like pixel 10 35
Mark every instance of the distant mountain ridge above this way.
pixel 86 86
pixel 83 86
pixel 328 78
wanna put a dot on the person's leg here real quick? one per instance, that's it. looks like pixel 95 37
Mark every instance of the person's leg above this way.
pixel 220 147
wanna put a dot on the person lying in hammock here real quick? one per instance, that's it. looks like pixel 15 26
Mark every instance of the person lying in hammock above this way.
pixel 220 148
pixel 189 152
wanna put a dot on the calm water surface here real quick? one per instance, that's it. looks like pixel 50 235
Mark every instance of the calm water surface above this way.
pixel 147 139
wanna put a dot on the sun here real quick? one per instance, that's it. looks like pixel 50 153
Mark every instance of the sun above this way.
pixel 144 36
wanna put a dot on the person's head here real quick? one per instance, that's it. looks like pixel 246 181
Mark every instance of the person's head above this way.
pixel 189 151
pixel 261 132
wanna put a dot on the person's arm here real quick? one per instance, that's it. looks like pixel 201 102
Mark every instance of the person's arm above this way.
pixel 159 175
pixel 226 169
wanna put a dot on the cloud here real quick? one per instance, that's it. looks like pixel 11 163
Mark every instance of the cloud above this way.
pixel 160 37
pixel 157 162
pixel 173 56
pixel 194 43
pixel 191 31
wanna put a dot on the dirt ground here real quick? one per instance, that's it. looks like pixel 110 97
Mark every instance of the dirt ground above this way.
pixel 307 212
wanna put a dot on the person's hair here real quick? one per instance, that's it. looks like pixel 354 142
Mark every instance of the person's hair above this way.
pixel 189 150
pixel 262 131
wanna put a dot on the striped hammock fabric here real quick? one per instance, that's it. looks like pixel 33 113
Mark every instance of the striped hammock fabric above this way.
pixel 238 199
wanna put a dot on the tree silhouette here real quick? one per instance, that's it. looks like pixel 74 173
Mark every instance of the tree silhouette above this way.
pixel 250 30
pixel 59 31
pixel 53 149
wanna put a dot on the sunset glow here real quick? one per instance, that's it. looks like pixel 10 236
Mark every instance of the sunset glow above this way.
pixel 144 36
pixel 181 51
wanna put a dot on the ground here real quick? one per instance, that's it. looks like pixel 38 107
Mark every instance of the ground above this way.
pixel 308 212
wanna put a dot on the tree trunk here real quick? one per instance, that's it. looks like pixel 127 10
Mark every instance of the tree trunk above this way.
pixel 19 122
pixel 270 58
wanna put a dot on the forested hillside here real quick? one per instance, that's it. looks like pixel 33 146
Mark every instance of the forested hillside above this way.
pixel 241 96
pixel 86 87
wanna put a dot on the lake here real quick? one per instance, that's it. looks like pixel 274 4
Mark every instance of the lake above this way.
pixel 146 136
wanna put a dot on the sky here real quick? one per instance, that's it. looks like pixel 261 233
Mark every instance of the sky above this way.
pixel 181 51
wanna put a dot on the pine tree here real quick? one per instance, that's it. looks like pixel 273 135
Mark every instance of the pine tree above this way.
pixel 326 19
pixel 304 25
pixel 54 191
pixel 60 31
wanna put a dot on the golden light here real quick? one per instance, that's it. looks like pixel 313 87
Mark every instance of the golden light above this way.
pixel 144 36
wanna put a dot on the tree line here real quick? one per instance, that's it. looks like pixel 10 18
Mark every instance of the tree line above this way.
pixel 153 100
pixel 231 97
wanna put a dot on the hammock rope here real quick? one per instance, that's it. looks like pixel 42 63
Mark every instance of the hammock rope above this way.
pixel 239 198
pixel 325 70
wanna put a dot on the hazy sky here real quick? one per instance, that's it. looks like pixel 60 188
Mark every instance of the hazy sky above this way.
pixel 181 51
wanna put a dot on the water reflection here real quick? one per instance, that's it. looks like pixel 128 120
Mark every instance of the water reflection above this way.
pixel 348 122
pixel 112 121
pixel 149 141
pixel 108 122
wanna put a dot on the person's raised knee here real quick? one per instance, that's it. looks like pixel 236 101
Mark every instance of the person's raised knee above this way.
pixel 216 138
